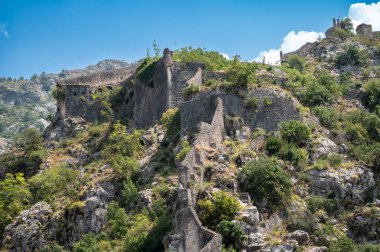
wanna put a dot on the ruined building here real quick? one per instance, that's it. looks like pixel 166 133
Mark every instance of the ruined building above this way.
pixel 210 114
pixel 363 30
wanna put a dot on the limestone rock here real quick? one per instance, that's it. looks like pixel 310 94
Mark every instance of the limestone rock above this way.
pixel 251 216
pixel 32 229
pixel 300 236
pixel 323 147
pixel 352 184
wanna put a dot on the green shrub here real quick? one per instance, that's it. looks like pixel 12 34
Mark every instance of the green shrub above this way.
pixel 369 124
pixel 315 94
pixel 130 194
pixel 368 247
pixel 93 243
pixel 371 96
pixel 315 203
pixel 56 182
pixel 171 120
pixel 296 62
pixel 191 89
pixel 252 102
pixel 335 160
pixel 347 25
pixel 118 221
pixel 222 207
pixel 145 71
pixel 122 143
pixel 298 156
pixel 240 74
pixel 58 93
pixel 328 117
pixel 369 154
pixel 186 147
pixel 14 197
pixel 263 179
pixel 351 56
pixel 343 244
pixel 231 233
pixel 123 166
pixel 273 145
pixel 212 59
pixel 29 140
pixel 295 132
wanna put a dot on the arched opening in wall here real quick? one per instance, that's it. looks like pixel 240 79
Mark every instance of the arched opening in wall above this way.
pixel 75 93
pixel 151 84
pixel 131 94
pixel 109 87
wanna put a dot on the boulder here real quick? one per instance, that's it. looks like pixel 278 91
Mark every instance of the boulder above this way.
pixel 324 146
pixel 300 236
pixel 346 183
pixel 32 229
pixel 251 216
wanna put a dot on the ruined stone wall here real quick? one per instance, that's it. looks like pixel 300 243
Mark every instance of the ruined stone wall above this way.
pixel 190 234
pixel 365 30
pixel 101 78
pixel 273 107
pixel 302 52
pixel 165 90
pixel 77 101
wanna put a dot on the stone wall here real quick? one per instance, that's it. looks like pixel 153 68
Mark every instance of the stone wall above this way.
pixel 365 30
pixel 165 89
pixel 273 107
pixel 190 235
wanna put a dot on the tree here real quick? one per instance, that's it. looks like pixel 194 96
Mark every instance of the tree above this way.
pixel 295 132
pixel 371 96
pixel 222 207
pixel 347 25
pixel 29 140
pixel 14 197
pixel 266 181
pixel 296 62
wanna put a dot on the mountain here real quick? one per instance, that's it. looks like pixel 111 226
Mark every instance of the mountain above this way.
pixel 195 152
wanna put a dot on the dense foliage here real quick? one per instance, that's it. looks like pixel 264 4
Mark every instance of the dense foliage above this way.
pixel 264 180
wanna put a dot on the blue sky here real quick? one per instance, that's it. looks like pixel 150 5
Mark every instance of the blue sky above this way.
pixel 51 35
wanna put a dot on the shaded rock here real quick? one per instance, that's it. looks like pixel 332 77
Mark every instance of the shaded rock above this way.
pixel 250 216
pixel 300 236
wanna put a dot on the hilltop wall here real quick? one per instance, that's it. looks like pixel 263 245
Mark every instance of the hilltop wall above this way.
pixel 273 107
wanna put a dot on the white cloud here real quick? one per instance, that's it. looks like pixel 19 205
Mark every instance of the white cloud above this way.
pixel 292 42
pixel 365 13
pixel 225 55
pixel 3 31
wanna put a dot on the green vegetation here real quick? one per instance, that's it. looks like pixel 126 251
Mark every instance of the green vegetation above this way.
pixel 264 180
pixel 171 120
pixel 186 147
pixel 212 59
pixel 27 156
pixel 121 150
pixel 231 232
pixel 372 95
pixel 146 69
pixel 296 62
pixel 295 132
pixel 342 245
pixel 14 197
pixel 327 116
pixel 57 182
pixel 221 207
pixel 351 56
pixel 241 74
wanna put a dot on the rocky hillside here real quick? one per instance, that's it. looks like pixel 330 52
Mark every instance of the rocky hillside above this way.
pixel 194 152
pixel 29 103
